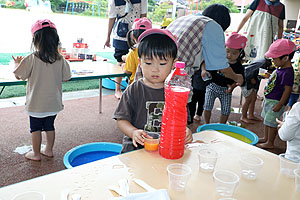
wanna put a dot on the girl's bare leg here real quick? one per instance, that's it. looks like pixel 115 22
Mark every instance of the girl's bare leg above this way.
pixel 118 91
pixel 223 119
pixel 252 107
pixel 35 154
pixel 207 114
pixel 48 151
pixel 245 108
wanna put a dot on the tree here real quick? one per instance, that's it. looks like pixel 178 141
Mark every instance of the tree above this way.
pixel 228 3
pixel 160 11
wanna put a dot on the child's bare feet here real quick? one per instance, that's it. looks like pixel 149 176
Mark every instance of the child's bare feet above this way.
pixel 247 121
pixel 265 145
pixel 118 94
pixel 47 153
pixel 197 118
pixel 33 156
pixel 254 118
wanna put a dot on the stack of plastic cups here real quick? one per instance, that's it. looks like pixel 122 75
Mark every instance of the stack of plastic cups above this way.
pixel 174 121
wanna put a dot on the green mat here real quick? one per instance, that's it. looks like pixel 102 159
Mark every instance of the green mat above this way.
pixel 5 58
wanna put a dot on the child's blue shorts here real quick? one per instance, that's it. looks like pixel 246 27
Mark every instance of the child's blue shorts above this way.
pixel 42 124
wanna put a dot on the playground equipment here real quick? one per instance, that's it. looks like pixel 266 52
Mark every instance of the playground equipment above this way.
pixel 38 5
pixel 74 6
pixel 193 7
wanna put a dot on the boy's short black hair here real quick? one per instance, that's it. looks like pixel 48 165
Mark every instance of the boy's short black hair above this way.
pixel 157 45
pixel 291 55
pixel 219 13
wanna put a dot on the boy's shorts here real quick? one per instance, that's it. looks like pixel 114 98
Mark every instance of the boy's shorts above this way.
pixel 42 124
pixel 119 53
pixel 246 92
pixel 268 114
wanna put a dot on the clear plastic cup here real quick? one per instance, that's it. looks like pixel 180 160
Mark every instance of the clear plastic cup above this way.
pixel 151 144
pixel 207 159
pixel 288 163
pixel 297 179
pixel 262 72
pixel 179 174
pixel 250 166
pixel 225 182
pixel 29 195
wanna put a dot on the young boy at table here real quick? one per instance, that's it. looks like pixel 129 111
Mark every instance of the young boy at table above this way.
pixel 141 105
pixel 278 88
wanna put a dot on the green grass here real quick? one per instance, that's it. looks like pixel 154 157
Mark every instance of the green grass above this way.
pixel 20 90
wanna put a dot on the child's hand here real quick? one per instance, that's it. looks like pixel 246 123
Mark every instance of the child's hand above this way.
pixel 277 107
pixel 267 75
pixel 18 59
pixel 229 90
pixel 188 136
pixel 203 73
pixel 280 123
pixel 137 137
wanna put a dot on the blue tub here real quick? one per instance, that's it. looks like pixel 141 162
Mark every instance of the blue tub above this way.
pixel 233 131
pixel 109 84
pixel 90 152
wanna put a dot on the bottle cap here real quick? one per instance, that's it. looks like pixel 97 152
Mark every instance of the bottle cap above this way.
pixel 179 64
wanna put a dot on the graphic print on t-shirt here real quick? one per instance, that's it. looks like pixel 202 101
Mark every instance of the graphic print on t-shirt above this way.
pixel 271 83
pixel 154 115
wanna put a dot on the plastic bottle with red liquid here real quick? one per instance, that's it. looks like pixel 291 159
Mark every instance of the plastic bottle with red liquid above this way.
pixel 174 117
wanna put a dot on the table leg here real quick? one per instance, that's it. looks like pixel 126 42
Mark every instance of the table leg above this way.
pixel 2 90
pixel 100 95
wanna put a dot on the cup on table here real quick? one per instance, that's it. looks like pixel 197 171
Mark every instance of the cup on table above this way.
pixel 225 182
pixel 250 166
pixel 288 163
pixel 29 195
pixel 151 144
pixel 207 159
pixel 179 175
pixel 297 179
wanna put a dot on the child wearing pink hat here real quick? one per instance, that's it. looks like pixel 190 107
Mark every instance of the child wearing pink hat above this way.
pixel 131 60
pixel 278 88
pixel 45 70
pixel 220 86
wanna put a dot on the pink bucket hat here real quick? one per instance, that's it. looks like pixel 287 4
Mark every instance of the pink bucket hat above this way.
pixel 40 24
pixel 142 23
pixel 236 41
pixel 279 48
pixel 158 31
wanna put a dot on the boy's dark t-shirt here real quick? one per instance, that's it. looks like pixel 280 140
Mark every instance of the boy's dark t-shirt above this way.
pixel 142 106
pixel 219 79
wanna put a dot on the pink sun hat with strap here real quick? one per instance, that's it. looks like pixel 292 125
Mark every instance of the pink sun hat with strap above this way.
pixel 142 23
pixel 236 41
pixel 158 31
pixel 279 48
pixel 40 24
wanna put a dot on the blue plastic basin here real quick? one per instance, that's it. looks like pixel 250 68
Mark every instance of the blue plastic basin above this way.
pixel 237 131
pixel 109 84
pixel 90 152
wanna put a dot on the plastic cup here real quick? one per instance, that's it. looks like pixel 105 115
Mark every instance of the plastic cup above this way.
pixel 151 144
pixel 250 166
pixel 297 179
pixel 262 72
pixel 288 163
pixel 179 174
pixel 225 182
pixel 207 159
pixel 30 195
